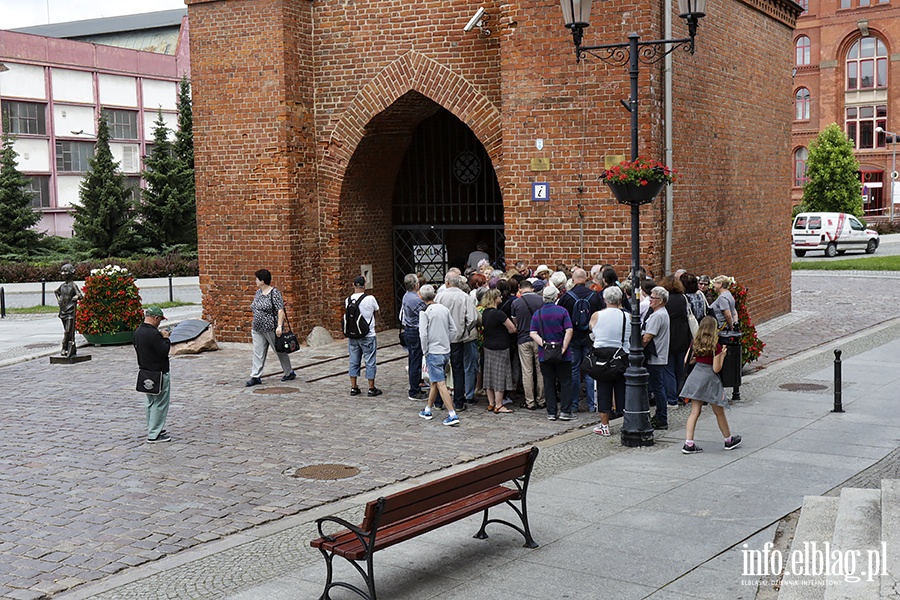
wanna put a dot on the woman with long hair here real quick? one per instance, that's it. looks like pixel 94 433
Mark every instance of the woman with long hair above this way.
pixel 703 385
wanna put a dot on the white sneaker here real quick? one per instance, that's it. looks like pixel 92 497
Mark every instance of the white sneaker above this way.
pixel 602 430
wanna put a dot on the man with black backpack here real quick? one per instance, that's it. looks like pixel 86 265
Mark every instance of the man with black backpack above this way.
pixel 359 327
pixel 581 302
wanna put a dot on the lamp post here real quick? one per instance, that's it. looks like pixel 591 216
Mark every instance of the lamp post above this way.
pixel 892 137
pixel 636 428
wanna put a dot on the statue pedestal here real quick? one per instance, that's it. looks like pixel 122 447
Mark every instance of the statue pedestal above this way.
pixel 69 360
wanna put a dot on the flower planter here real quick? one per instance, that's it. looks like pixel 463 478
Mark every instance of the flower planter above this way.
pixel 109 339
pixel 630 193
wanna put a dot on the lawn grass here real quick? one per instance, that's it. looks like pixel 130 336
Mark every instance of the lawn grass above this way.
pixel 874 263
pixel 53 308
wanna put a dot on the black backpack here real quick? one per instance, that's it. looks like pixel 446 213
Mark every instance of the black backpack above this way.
pixel 354 325
pixel 581 312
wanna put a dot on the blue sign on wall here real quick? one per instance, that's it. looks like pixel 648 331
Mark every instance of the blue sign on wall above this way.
pixel 540 191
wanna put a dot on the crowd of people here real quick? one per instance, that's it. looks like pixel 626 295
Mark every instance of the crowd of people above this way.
pixel 522 333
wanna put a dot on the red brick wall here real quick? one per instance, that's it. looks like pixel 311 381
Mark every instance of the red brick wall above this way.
pixel 303 112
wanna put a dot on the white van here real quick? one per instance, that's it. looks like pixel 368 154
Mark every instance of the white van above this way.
pixel 833 233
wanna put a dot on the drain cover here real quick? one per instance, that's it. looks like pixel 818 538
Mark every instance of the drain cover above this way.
pixel 277 390
pixel 803 387
pixel 326 471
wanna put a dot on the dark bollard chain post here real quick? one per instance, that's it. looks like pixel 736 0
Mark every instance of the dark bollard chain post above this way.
pixel 171 298
pixel 43 292
pixel 2 303
pixel 837 383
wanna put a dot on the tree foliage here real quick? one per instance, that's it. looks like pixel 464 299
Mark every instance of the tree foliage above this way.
pixel 833 184
pixel 16 215
pixel 168 206
pixel 105 217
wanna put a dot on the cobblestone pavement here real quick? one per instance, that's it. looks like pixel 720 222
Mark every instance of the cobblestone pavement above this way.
pixel 82 495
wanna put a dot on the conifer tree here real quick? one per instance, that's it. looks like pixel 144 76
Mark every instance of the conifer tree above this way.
pixel 184 152
pixel 105 217
pixel 16 215
pixel 161 216
pixel 833 184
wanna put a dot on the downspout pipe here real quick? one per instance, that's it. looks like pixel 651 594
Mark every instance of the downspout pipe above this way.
pixel 667 124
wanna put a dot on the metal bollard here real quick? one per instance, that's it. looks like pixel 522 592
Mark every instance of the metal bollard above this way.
pixel 2 303
pixel 171 298
pixel 837 382
pixel 43 292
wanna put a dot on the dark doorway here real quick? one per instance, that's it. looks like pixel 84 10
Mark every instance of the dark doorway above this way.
pixel 874 197
pixel 446 199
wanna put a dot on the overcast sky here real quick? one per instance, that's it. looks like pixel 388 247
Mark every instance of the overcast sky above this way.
pixel 24 13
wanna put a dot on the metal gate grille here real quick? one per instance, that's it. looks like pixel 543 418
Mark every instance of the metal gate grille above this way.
pixel 445 199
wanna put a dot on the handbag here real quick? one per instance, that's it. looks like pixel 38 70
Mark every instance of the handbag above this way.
pixel 606 364
pixel 553 352
pixel 692 321
pixel 149 382
pixel 287 342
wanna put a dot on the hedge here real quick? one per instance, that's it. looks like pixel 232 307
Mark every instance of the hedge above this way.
pixel 141 268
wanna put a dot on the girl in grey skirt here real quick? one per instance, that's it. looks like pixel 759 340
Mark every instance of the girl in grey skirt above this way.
pixel 703 385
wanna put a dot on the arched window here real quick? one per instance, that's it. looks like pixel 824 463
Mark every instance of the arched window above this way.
pixel 867 64
pixel 801 105
pixel 802 45
pixel 800 157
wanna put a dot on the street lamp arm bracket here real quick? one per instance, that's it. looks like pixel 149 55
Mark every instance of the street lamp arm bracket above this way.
pixel 649 52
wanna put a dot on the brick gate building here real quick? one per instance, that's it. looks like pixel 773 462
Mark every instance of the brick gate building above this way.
pixel 340 136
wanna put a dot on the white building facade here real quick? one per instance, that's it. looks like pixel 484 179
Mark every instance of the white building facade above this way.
pixel 51 95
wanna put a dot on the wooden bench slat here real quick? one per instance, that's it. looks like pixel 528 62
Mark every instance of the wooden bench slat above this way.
pixel 407 503
pixel 346 544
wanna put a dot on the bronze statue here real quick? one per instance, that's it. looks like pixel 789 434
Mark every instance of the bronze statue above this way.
pixel 67 295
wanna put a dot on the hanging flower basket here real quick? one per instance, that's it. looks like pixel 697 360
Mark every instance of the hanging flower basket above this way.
pixel 630 193
pixel 638 181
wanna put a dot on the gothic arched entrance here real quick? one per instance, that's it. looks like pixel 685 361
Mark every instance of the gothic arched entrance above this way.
pixel 446 199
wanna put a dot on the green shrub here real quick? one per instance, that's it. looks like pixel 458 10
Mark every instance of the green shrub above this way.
pixel 13 271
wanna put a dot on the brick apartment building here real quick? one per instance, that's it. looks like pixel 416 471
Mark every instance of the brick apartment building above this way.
pixel 845 58
pixel 336 137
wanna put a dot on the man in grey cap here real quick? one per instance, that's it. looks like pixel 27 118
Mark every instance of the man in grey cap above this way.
pixel 152 348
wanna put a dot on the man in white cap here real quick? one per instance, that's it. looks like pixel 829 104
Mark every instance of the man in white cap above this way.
pixel 152 348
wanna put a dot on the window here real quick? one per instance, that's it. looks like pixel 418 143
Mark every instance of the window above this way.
pixel 801 105
pixel 73 156
pixel 800 157
pixel 804 4
pixel 865 2
pixel 845 3
pixel 815 223
pixel 802 45
pixel 867 65
pixel 133 184
pixel 122 124
pixel 861 124
pixel 39 186
pixel 800 223
pixel 856 225
pixel 24 117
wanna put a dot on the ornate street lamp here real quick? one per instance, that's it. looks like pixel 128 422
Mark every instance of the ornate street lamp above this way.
pixel 636 428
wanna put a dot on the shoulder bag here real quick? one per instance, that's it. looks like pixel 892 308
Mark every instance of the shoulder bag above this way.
pixel 148 382
pixel 553 352
pixel 606 364
pixel 287 342
pixel 692 321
